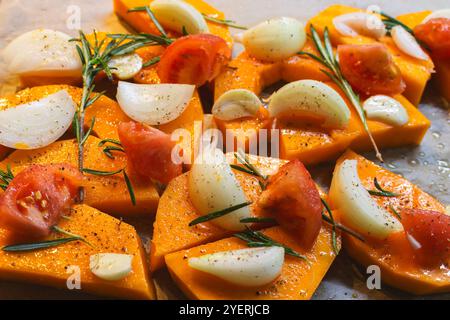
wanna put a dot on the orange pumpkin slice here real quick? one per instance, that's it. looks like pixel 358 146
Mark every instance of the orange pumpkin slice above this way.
pixel 297 281
pixel 106 193
pixel 415 72
pixel 53 266
pixel 396 269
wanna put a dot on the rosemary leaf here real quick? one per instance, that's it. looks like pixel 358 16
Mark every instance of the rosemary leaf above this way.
pixel 101 173
pixel 70 234
pixel 380 191
pixel 239 168
pixel 218 214
pixel 229 23
pixel 333 224
pixel 88 133
pixel 395 212
pixel 151 62
pixel 152 17
pixel 258 220
pixel 39 245
pixel 130 188
pixel 114 141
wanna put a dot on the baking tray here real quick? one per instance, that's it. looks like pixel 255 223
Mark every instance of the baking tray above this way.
pixel 427 165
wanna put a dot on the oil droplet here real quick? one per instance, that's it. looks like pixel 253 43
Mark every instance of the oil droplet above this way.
pixel 421 154
pixel 413 162
pixel 441 146
pixel 436 135
pixel 391 165
pixel 425 163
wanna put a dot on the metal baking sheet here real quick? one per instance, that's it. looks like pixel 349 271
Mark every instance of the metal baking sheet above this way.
pixel 427 165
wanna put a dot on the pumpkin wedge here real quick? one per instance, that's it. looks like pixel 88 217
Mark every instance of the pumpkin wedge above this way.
pixel 106 193
pixel 297 281
pixel 396 267
pixel 141 22
pixel 415 72
pixel 53 266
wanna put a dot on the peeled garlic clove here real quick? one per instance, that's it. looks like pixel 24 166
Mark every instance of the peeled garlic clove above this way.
pixel 154 104
pixel 245 267
pixel 235 104
pixel 43 52
pixel 38 123
pixel 275 39
pixel 444 13
pixel 359 211
pixel 310 97
pixel 385 109
pixel 126 66
pixel 176 14
pixel 360 23
pixel 213 186
pixel 110 266
pixel 407 43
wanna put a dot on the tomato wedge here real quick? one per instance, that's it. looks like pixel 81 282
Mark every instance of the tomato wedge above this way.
pixel 37 197
pixel 431 229
pixel 370 69
pixel 149 150
pixel 435 33
pixel 193 59
pixel 292 197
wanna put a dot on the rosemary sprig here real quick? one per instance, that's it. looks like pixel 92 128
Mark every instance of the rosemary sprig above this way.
pixel 329 60
pixel 6 177
pixel 249 168
pixel 107 151
pixel 130 188
pixel 333 226
pixel 229 23
pixel 113 141
pixel 218 214
pixel 380 191
pixel 70 234
pixel 151 62
pixel 391 22
pixel 39 245
pixel 152 17
pixel 395 212
pixel 258 220
pixel 258 239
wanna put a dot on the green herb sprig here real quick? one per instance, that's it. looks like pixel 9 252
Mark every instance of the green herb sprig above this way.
pixel 380 191
pixel 218 214
pixel 258 239
pixel 229 23
pixel 258 220
pixel 151 62
pixel 249 168
pixel 6 177
pixel 391 22
pixel 395 212
pixel 329 60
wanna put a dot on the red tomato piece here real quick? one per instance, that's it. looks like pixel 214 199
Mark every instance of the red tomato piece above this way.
pixel 149 150
pixel 370 69
pixel 193 59
pixel 431 229
pixel 435 33
pixel 292 196
pixel 37 197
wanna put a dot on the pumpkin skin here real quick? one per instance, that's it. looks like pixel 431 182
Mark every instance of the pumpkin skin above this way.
pixel 49 266
pixel 395 264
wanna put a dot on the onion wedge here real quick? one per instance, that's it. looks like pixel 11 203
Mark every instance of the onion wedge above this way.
pixel 407 43
pixel 360 23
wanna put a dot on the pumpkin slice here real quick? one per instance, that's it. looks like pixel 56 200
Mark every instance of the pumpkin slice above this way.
pixel 297 281
pixel 415 72
pixel 396 269
pixel 171 230
pixel 52 266
pixel 141 22
pixel 106 193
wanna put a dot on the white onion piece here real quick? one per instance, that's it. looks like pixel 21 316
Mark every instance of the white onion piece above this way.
pixel 245 267
pixel 386 109
pixel 43 52
pixel 235 104
pixel 360 23
pixel 443 13
pixel 154 104
pixel 125 66
pixel 359 211
pixel 407 43
pixel 37 124
pixel 176 14
pixel 310 96
pixel 110 266
pixel 213 187
pixel 275 39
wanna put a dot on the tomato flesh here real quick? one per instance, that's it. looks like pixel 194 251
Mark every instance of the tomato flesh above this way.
pixel 37 197
pixel 431 229
pixel 193 59
pixel 149 150
pixel 370 69
pixel 435 33
pixel 292 197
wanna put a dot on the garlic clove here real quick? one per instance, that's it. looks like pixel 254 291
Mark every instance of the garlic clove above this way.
pixel 111 266
pixel 359 211
pixel 360 23
pixel 385 109
pixel 235 104
pixel 310 98
pixel 154 104
pixel 176 14
pixel 126 66
pixel 275 39
pixel 37 124
pixel 407 43
pixel 245 267
pixel 213 186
